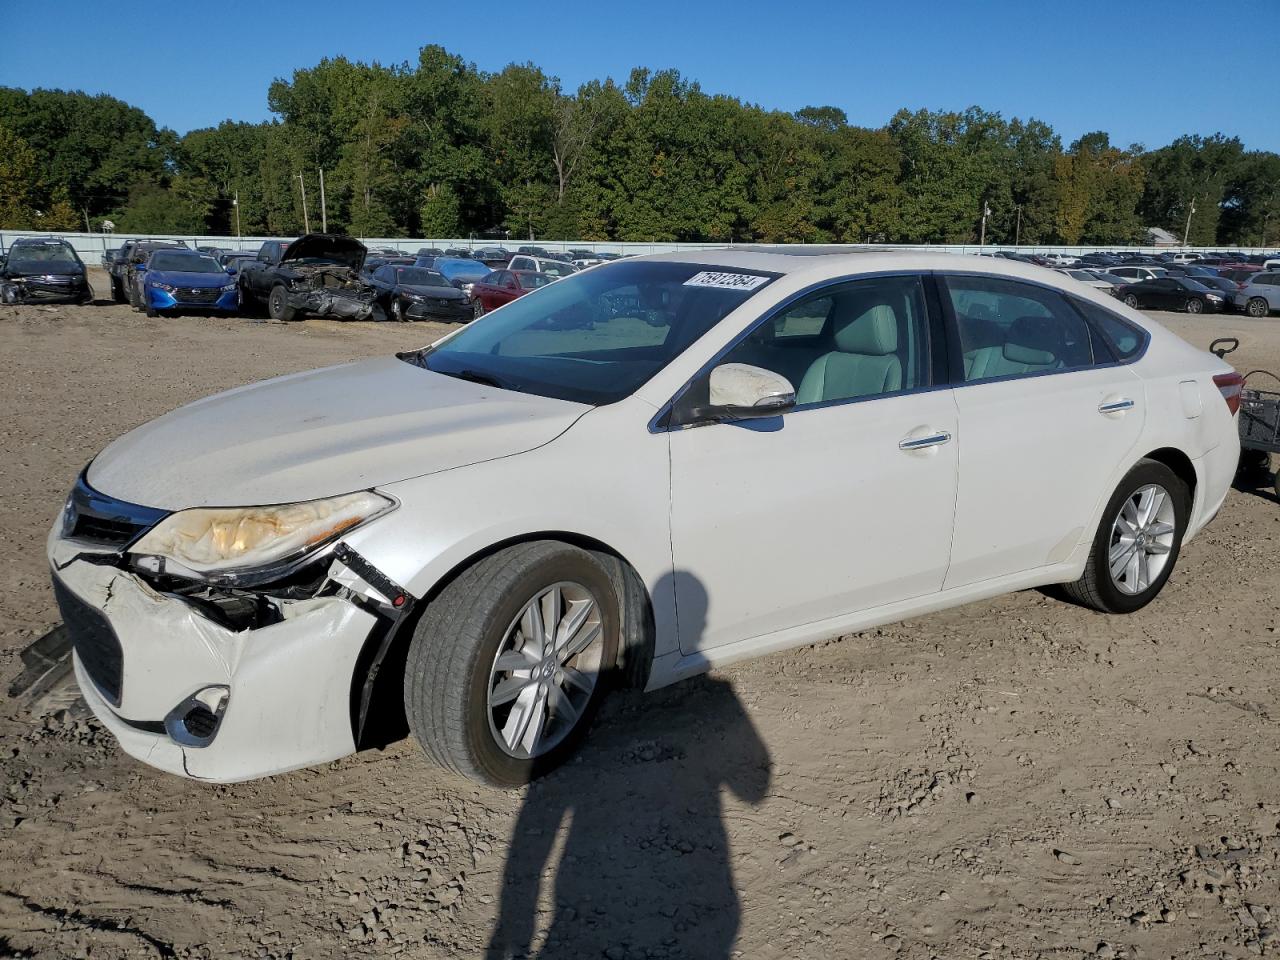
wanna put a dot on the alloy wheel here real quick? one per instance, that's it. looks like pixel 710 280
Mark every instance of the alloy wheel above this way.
pixel 1258 307
pixel 545 670
pixel 1194 306
pixel 1141 539
pixel 1131 301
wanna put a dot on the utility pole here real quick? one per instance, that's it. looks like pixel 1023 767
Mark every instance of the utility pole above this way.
pixel 1187 232
pixel 235 202
pixel 324 213
pixel 1017 231
pixel 986 212
pixel 306 221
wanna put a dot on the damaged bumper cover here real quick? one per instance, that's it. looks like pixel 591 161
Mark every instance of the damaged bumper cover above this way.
pixel 337 303
pixel 193 696
pixel 52 289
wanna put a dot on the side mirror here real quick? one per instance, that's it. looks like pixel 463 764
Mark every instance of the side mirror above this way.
pixel 739 391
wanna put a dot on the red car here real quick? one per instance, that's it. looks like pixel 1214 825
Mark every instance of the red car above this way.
pixel 503 286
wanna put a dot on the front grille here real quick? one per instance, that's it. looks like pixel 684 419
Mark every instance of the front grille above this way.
pixel 200 722
pixel 97 518
pixel 104 529
pixel 95 642
pixel 198 294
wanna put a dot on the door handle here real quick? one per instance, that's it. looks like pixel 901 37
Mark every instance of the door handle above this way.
pixel 1116 406
pixel 920 443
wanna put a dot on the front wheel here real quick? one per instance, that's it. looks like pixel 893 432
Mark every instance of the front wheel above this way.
pixel 278 305
pixel 1131 301
pixel 117 290
pixel 478 310
pixel 1257 307
pixel 1137 542
pixel 1195 305
pixel 397 311
pixel 510 661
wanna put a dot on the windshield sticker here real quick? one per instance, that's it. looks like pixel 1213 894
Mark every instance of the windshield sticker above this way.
pixel 726 281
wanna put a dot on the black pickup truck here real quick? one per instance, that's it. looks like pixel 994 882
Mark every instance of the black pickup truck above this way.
pixel 315 275
pixel 124 267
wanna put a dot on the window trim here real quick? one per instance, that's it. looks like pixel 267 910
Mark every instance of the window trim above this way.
pixel 934 334
pixel 957 354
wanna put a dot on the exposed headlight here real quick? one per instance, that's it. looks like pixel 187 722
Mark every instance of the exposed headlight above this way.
pixel 1212 296
pixel 163 286
pixel 228 288
pixel 415 297
pixel 233 542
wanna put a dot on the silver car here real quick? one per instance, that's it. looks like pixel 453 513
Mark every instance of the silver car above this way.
pixel 1260 295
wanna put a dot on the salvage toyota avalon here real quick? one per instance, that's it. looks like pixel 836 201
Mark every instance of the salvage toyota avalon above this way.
pixel 635 474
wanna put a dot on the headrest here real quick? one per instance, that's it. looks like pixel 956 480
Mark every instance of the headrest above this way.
pixel 872 331
pixel 1034 340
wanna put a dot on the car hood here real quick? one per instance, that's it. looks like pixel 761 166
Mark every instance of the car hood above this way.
pixel 181 278
pixel 42 268
pixel 440 293
pixel 327 246
pixel 322 433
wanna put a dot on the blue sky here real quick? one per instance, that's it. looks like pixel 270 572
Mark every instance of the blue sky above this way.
pixel 1145 71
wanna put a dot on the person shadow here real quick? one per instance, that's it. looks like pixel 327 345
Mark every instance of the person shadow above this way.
pixel 623 852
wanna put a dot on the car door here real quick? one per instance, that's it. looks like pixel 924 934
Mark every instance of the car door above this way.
pixel 1045 416
pixel 840 505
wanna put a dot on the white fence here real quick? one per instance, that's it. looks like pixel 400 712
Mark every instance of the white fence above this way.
pixel 91 246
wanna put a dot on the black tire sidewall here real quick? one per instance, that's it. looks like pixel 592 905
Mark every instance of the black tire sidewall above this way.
pixel 1148 471
pixel 278 304
pixel 1131 302
pixel 1249 308
pixel 479 619
pixel 1195 305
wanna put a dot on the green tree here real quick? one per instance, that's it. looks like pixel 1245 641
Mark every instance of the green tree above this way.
pixel 17 181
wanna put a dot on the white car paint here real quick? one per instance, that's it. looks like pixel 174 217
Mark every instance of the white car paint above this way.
pixel 747 539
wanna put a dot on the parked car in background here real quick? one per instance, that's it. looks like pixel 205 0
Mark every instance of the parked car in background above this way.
pixel 1090 280
pixel 429 252
pixel 1260 294
pixel 1222 285
pixel 1172 293
pixel 1109 278
pixel 109 257
pixel 1239 274
pixel 532 251
pixel 495 258
pixel 317 275
pixel 1136 273
pixel 462 273
pixel 176 280
pixel 504 525
pixel 43 270
pixel 460 253
pixel 371 264
pixel 231 261
pixel 133 255
pixel 416 293
pixel 551 267
pixel 503 286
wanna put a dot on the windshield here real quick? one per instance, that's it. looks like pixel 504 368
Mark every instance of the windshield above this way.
pixel 596 337
pixel 184 263
pixel 557 268
pixel 420 277
pixel 43 253
pixel 459 269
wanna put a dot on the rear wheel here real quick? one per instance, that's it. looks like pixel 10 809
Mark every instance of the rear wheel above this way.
pixel 1195 305
pixel 1137 542
pixel 1257 307
pixel 478 310
pixel 397 311
pixel 1131 301
pixel 278 305
pixel 510 661
pixel 117 290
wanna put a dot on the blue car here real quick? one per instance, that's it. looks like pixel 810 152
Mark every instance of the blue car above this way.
pixel 459 272
pixel 175 280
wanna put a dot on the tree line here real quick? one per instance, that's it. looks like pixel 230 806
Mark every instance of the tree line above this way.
pixel 441 149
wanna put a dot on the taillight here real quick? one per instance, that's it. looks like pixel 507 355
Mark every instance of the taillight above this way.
pixel 1231 386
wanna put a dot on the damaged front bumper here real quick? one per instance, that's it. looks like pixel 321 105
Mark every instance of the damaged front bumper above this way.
pixel 335 302
pixel 51 289
pixel 193 696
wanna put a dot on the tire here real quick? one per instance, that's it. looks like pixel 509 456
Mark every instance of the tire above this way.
pixel 1257 307
pixel 397 311
pixel 1131 301
pixel 453 665
pixel 1195 305
pixel 278 305
pixel 152 312
pixel 478 311
pixel 117 290
pixel 1098 588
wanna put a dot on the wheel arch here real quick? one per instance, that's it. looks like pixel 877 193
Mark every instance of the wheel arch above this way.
pixel 386 721
pixel 1182 466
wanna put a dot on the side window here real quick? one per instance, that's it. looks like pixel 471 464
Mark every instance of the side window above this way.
pixel 1010 329
pixel 862 339
pixel 1125 339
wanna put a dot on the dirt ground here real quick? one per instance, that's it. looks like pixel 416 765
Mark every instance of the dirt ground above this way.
pixel 1013 778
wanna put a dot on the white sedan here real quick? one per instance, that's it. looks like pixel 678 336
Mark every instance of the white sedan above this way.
pixel 645 470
